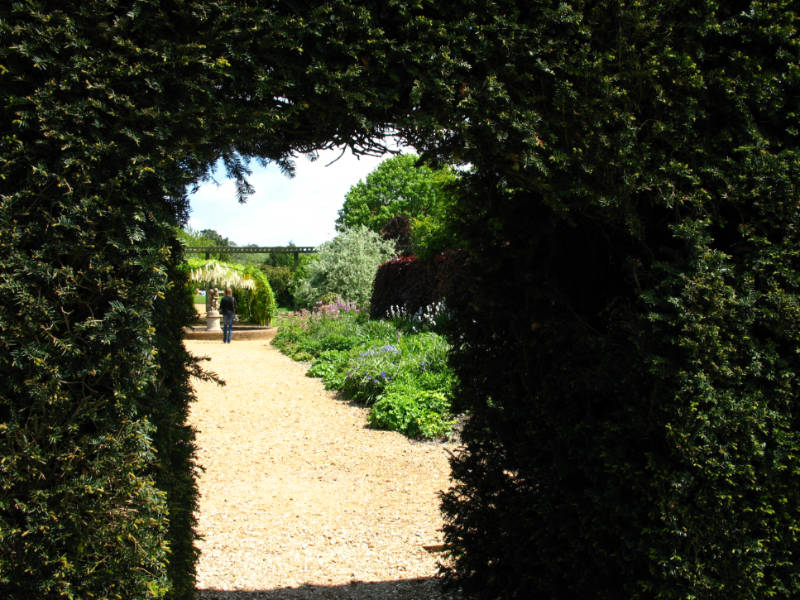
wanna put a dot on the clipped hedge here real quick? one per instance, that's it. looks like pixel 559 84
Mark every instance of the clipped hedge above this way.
pixel 168 400
pixel 402 282
pixel 77 487
pixel 628 351
pixel 256 305
pixel 629 348
pixel 96 459
pixel 280 280
pixel 411 283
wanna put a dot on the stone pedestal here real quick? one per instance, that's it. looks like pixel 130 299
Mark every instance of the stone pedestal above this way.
pixel 212 321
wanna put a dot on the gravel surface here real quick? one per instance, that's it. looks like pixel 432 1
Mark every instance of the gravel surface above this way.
pixel 298 499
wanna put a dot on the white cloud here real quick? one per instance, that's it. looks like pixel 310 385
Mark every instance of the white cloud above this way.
pixel 302 210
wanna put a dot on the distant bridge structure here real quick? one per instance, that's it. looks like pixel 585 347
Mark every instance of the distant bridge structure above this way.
pixel 296 250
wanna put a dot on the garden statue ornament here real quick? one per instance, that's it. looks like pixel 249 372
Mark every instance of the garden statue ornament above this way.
pixel 213 299
pixel 212 314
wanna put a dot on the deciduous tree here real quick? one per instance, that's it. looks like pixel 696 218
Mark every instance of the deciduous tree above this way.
pixel 402 192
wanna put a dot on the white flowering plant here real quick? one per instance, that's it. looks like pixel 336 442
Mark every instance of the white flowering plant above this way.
pixel 426 318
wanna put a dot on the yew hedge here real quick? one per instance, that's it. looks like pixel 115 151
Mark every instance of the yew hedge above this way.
pixel 626 341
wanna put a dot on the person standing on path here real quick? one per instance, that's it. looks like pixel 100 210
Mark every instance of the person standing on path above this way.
pixel 227 307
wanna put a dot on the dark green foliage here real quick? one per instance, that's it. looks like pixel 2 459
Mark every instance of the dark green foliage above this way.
pixel 404 282
pixel 628 350
pixel 280 279
pixel 93 373
pixel 216 238
pixel 413 285
pixel 108 111
pixel 453 276
pixel 256 305
pixel 77 493
pixel 169 398
pixel 627 341
pixel 398 230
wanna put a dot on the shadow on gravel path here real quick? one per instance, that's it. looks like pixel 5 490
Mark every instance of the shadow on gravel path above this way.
pixel 408 589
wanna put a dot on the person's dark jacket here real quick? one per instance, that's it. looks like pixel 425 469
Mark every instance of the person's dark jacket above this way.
pixel 227 306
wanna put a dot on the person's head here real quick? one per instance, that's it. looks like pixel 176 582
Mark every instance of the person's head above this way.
pixel 228 291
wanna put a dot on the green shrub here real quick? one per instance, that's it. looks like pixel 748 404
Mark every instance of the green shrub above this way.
pixel 366 359
pixel 404 201
pixel 413 412
pixel 405 283
pixel 169 398
pixel 344 267
pixel 256 305
pixel 370 371
pixel 628 348
pixel 330 365
pixel 81 511
pixel 327 327
pixel 280 279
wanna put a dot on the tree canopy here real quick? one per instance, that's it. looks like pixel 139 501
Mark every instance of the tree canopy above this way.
pixel 407 194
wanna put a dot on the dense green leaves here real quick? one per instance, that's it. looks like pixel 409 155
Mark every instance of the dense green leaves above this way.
pixel 257 304
pixel 399 369
pixel 628 346
pixel 399 191
pixel 108 111
pixel 344 267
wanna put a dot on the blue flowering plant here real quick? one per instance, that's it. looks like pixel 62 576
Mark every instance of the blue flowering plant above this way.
pixel 370 371
pixel 402 374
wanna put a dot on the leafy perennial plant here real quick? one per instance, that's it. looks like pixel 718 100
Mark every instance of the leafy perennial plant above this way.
pixel 399 371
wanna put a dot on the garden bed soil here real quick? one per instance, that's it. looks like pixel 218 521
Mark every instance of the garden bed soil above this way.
pixel 298 498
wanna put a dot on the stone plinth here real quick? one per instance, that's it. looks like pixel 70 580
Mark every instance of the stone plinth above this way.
pixel 212 321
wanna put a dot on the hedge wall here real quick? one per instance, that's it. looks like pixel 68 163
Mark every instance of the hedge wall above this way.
pixel 109 111
pixel 402 282
pixel 414 283
pixel 258 304
pixel 629 348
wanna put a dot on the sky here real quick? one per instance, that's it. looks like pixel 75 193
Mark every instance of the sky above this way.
pixel 302 210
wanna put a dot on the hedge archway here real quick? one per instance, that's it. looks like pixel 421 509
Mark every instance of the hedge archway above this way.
pixel 628 346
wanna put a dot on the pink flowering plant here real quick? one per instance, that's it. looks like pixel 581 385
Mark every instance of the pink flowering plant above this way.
pixel 338 325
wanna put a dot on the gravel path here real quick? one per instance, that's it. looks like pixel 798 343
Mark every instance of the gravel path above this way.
pixel 299 500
